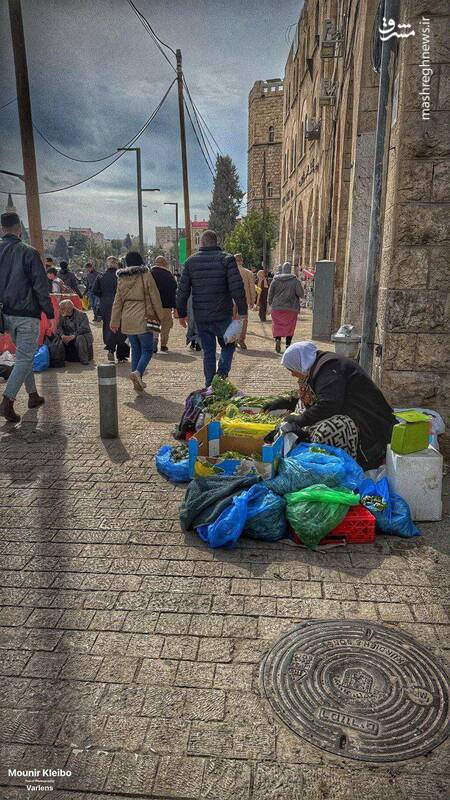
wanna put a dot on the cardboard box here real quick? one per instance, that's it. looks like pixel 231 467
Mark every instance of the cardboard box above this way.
pixel 411 434
pixel 209 442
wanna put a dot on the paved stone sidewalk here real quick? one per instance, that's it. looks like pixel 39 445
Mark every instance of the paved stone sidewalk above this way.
pixel 130 652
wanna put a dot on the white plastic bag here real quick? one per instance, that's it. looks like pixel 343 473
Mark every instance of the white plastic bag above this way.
pixel 233 331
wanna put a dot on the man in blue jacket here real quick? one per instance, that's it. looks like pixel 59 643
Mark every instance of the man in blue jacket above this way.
pixel 24 294
pixel 213 278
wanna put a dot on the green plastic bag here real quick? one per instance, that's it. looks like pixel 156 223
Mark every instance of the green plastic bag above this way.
pixel 315 511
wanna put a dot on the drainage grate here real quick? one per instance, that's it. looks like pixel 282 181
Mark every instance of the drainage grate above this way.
pixel 358 689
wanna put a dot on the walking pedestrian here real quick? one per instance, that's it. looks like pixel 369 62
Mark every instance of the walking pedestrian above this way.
pixel 167 287
pixel 90 278
pixel 250 295
pixel 24 294
pixel 69 278
pixel 137 310
pixel 263 286
pixel 212 276
pixel 104 290
pixel 284 298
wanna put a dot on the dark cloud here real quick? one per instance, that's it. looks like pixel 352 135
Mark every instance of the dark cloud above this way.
pixel 95 78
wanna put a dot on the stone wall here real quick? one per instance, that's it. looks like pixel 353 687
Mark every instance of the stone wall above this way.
pixel 265 119
pixel 413 306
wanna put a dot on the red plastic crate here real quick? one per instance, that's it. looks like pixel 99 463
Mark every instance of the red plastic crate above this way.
pixel 357 527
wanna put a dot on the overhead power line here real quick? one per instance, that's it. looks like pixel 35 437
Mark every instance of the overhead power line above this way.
pixel 132 141
pixel 198 115
pixel 144 21
pixel 211 159
pixel 8 103
pixel 103 158
pixel 198 140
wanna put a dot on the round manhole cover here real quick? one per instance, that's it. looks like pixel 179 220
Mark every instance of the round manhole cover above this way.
pixel 358 689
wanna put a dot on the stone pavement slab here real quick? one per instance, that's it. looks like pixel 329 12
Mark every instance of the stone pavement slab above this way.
pixel 129 652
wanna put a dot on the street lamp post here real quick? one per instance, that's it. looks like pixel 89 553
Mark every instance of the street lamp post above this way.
pixel 177 254
pixel 152 190
pixel 137 150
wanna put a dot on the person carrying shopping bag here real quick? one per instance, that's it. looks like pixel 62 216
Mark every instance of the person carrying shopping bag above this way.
pixel 137 310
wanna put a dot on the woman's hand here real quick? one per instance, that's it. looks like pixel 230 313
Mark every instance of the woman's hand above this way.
pixel 113 328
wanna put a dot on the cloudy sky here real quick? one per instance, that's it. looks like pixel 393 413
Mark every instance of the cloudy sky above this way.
pixel 96 76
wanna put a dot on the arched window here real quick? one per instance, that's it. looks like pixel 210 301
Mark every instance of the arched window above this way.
pixel 316 21
pixel 304 117
pixel 197 238
pixel 269 189
pixel 271 134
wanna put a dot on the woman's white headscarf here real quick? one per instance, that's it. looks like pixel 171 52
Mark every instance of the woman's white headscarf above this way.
pixel 299 357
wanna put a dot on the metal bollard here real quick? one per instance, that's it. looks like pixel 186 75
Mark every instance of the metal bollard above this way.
pixel 107 395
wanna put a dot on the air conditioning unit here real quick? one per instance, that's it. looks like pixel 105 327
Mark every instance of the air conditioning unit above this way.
pixel 330 40
pixel 328 90
pixel 312 130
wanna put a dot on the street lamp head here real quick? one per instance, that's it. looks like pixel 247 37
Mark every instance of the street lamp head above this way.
pixel 151 190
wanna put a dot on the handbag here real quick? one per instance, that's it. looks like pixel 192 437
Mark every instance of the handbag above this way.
pixel 152 325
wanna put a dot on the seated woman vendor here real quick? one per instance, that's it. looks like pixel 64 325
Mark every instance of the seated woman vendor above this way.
pixel 338 404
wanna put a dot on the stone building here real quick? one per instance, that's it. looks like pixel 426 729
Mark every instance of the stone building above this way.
pixel 329 133
pixel 265 141
pixel 197 228
pixel 165 237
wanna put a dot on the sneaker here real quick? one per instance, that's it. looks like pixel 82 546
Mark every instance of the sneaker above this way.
pixel 278 347
pixel 7 410
pixel 111 357
pixel 136 380
pixel 242 345
pixel 164 349
pixel 197 348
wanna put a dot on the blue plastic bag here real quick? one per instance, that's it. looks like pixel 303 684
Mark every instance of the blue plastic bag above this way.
pixel 266 515
pixel 353 473
pixel 228 526
pixel 41 360
pixel 301 471
pixel 176 471
pixel 395 517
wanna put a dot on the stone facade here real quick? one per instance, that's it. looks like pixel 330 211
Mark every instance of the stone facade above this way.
pixel 414 278
pixel 329 129
pixel 265 138
pixel 165 237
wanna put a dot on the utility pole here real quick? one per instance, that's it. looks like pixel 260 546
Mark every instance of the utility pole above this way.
pixel 187 213
pixel 264 252
pixel 26 126
pixel 137 150
pixel 177 234
pixel 139 194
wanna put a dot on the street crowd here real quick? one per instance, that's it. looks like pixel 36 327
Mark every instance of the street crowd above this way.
pixel 336 403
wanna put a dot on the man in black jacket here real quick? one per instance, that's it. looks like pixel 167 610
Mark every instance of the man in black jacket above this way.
pixel 104 289
pixel 167 288
pixel 214 280
pixel 24 294
pixel 69 278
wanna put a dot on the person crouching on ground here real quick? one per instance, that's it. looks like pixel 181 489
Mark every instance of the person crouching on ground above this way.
pixel 137 310
pixel 339 405
pixel 250 295
pixel 284 298
pixel 212 276
pixel 167 287
pixel 75 333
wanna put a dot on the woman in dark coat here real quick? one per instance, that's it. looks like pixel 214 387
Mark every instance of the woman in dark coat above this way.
pixel 339 404
pixel 105 289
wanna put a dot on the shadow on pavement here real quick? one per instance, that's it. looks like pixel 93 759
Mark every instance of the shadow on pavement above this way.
pixel 156 409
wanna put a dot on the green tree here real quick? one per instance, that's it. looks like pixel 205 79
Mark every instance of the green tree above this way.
pixel 116 246
pixel 60 250
pixel 78 241
pixel 226 199
pixel 127 241
pixel 248 235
